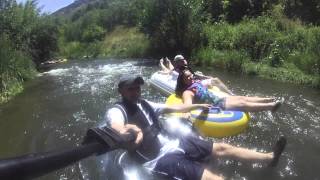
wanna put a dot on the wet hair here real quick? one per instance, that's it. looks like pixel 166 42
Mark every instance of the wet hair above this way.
pixel 181 86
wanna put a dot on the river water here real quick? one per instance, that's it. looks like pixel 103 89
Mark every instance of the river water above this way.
pixel 57 108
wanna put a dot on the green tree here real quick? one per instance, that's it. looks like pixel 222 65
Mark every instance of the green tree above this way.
pixel 93 33
pixel 43 40
pixel 215 9
pixel 308 11
pixel 174 26
pixel 235 10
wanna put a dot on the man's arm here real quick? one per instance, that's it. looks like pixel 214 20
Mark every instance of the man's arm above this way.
pixel 126 129
pixel 116 121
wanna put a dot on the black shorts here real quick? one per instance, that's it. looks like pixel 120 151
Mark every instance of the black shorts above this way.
pixel 179 165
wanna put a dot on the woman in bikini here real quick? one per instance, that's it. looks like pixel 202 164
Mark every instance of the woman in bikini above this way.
pixel 194 91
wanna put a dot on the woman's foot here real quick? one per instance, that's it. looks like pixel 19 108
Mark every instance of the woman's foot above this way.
pixel 277 151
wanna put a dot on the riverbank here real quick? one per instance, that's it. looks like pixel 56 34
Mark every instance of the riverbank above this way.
pixel 271 47
pixel 281 74
pixel 26 39
pixel 13 84
pixel 7 94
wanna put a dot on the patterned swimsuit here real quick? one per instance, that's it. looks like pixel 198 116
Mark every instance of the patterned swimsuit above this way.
pixel 203 95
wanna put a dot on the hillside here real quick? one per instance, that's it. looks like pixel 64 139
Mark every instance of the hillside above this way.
pixel 76 5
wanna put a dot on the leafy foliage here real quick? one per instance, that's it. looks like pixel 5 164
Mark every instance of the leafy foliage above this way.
pixel 125 42
pixel 308 11
pixel 174 26
pixel 270 37
pixel 265 43
pixel 26 38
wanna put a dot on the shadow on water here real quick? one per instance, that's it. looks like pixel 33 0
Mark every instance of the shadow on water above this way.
pixel 57 108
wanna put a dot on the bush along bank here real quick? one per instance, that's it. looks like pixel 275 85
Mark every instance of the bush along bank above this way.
pixel 269 47
pixel 15 68
pixel 122 42
pixel 27 39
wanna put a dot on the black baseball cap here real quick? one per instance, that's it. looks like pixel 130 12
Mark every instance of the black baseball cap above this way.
pixel 129 79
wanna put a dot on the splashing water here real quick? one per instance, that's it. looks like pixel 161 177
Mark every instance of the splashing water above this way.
pixel 57 108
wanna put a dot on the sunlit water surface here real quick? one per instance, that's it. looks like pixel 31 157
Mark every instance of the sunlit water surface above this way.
pixel 57 108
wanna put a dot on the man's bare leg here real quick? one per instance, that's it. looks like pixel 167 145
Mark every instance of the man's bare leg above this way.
pixel 228 151
pixel 208 175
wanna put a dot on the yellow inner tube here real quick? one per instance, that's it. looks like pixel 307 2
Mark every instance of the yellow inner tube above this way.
pixel 215 123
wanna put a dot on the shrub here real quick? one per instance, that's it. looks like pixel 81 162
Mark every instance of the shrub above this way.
pixel 15 67
pixel 230 60
pixel 254 37
pixel 306 62
pixel 251 69
pixel 73 50
pixel 125 42
pixel 275 58
pixel 174 25
pixel 255 40
pixel 315 48
pixel 220 36
pixel 92 33
pixel 93 49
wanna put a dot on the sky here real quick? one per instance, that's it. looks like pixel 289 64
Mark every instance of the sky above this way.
pixel 50 6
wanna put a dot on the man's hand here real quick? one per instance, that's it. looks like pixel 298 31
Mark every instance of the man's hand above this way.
pixel 131 128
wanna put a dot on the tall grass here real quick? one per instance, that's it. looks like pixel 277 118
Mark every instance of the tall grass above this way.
pixel 260 45
pixel 125 42
pixel 230 60
pixel 122 42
